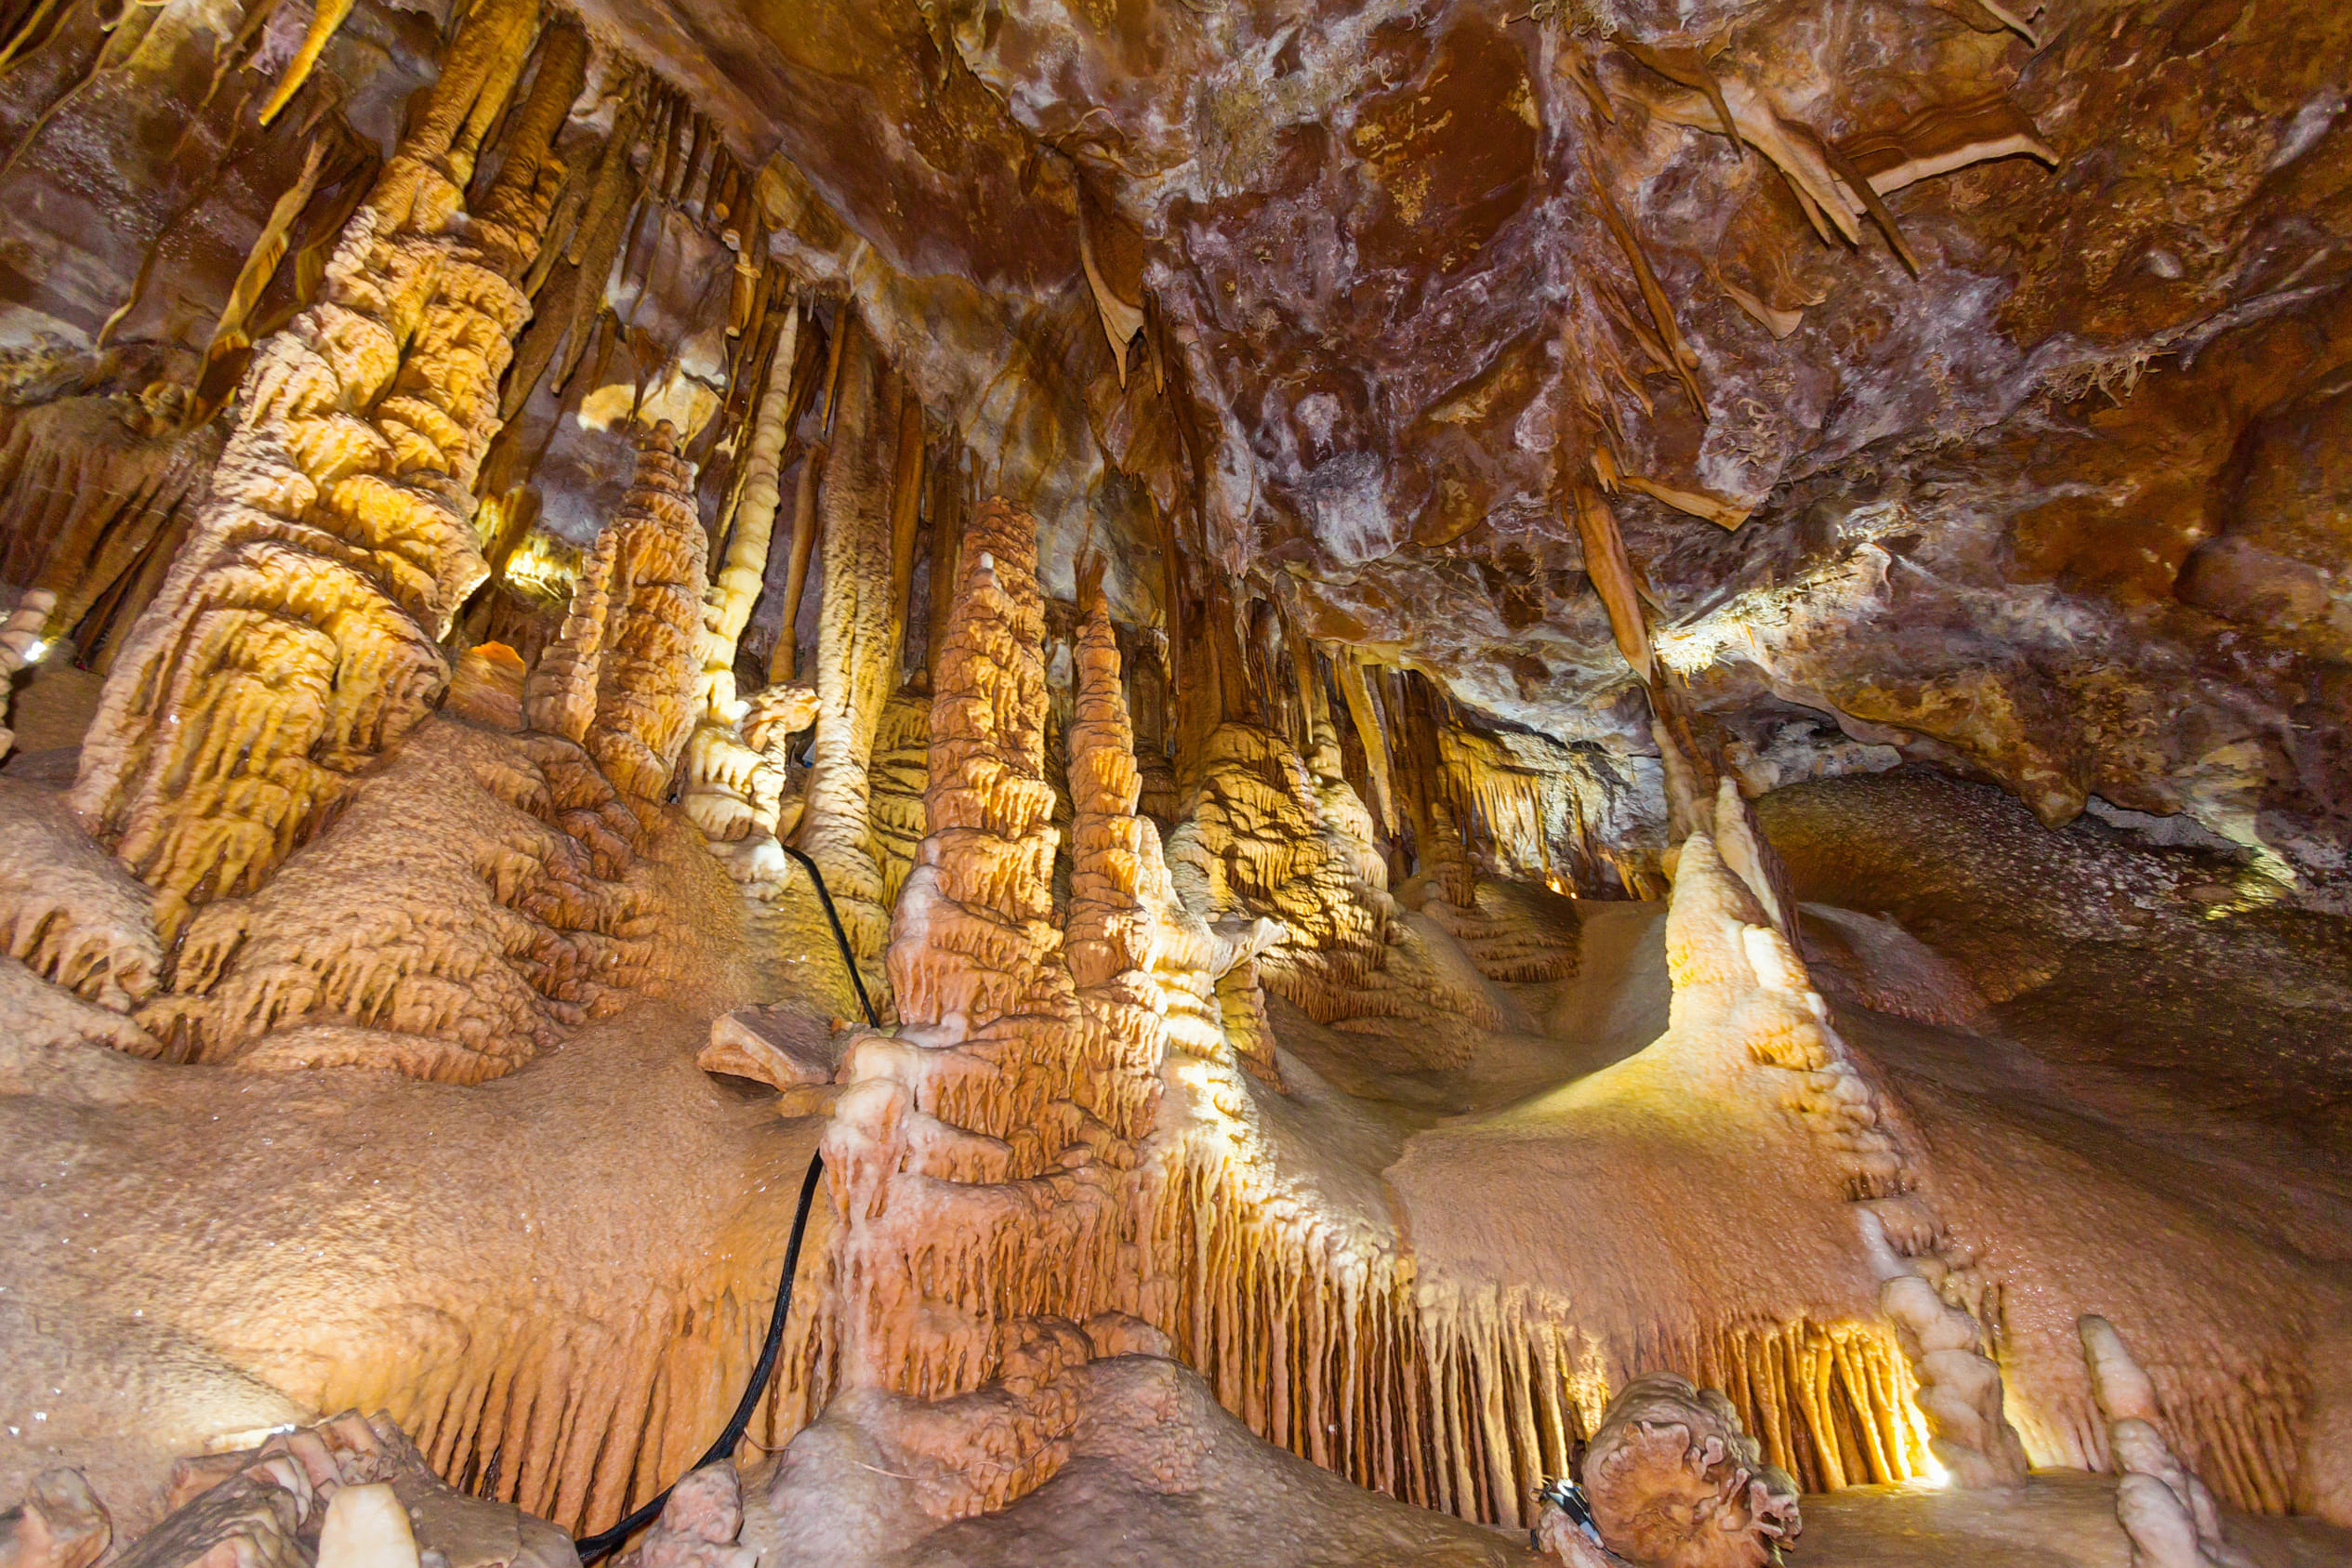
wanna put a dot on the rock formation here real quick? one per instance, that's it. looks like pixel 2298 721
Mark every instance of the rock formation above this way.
pixel 1676 1484
pixel 2162 1505
pixel 347 1493
pixel 856 648
pixel 1535 744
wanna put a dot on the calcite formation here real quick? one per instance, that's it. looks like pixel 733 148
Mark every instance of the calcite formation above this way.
pixel 2163 1507
pixel 348 1493
pixel 977 1157
pixel 1536 743
pixel 619 676
pixel 856 650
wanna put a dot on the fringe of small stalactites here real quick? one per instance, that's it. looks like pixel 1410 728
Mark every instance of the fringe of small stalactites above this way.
pixel 1324 1344
pixel 2236 1426
pixel 577 1415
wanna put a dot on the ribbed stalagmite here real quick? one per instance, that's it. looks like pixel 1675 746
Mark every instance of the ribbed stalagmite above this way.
pixel 295 638
pixel 619 679
pixel 983 1157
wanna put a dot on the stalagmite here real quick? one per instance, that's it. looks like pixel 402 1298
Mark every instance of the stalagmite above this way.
pixel 345 1492
pixel 968 1205
pixel 1959 1389
pixel 1260 844
pixel 2163 1507
pixel 897 780
pixel 293 640
pixel 620 677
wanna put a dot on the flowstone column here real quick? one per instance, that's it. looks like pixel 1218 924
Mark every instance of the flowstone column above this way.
pixel 296 637
pixel 856 640
pixel 732 788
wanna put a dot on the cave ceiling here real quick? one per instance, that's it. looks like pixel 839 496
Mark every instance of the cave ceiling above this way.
pixel 2042 497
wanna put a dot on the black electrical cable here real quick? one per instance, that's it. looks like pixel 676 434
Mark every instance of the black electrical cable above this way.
pixel 840 938
pixel 592 1549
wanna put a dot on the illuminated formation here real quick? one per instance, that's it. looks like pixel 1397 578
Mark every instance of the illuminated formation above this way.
pixel 1424 785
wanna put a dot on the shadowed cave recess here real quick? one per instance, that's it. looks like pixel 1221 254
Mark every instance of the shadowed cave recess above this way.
pixel 1589 761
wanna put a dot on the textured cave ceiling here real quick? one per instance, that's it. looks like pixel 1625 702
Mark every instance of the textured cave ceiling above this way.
pixel 2065 509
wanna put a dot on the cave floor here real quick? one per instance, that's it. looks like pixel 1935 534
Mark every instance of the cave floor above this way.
pixel 2063 1519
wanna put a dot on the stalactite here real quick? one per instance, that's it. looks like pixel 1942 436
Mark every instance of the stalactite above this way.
pixel 262 264
pixel 1367 720
pixel 569 283
pixel 784 658
pixel 856 643
pixel 906 510
pixel 325 17
pixel 293 641
pixel 946 507
pixel 1681 358
pixel 1612 574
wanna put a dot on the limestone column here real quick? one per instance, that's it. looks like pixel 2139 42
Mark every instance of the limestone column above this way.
pixel 732 789
pixel 856 646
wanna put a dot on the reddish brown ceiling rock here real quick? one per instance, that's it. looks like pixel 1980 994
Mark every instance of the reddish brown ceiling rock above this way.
pixel 890 129
pixel 1407 263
